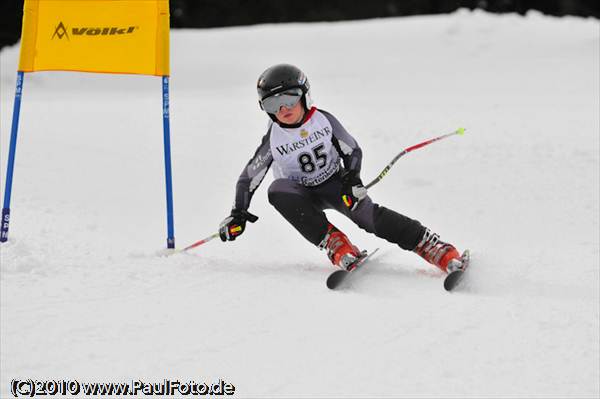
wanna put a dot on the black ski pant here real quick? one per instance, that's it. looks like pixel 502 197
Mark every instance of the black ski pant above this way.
pixel 303 207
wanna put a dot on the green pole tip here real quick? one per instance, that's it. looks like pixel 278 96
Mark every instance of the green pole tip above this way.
pixel 460 130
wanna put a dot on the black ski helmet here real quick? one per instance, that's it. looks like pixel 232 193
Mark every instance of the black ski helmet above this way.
pixel 280 78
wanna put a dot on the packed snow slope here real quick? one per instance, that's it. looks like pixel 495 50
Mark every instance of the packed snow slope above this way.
pixel 85 296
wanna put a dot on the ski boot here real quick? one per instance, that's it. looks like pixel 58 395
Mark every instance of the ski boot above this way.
pixel 458 264
pixel 439 253
pixel 340 250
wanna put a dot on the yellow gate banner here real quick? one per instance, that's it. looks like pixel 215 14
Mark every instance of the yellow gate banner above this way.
pixel 109 36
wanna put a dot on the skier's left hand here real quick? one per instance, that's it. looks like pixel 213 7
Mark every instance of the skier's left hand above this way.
pixel 353 190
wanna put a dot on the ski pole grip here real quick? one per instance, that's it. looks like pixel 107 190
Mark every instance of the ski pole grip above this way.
pixel 249 217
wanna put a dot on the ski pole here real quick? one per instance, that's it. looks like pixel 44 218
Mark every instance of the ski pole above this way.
pixel 250 217
pixel 170 251
pixel 459 131
pixel 198 243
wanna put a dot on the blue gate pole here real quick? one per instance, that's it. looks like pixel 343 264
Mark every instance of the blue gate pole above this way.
pixel 11 158
pixel 168 179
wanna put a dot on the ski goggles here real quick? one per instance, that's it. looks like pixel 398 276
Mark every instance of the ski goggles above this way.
pixel 287 99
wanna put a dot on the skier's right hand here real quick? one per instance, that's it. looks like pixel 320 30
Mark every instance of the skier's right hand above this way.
pixel 235 224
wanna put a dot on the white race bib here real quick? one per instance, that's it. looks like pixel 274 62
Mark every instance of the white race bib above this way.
pixel 305 154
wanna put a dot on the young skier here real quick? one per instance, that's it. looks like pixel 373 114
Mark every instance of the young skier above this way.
pixel 306 147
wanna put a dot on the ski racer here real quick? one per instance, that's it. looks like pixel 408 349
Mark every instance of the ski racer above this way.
pixel 316 165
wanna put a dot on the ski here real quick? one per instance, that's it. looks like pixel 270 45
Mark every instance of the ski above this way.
pixel 336 278
pixel 453 279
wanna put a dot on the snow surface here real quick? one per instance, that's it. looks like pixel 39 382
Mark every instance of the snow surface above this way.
pixel 84 294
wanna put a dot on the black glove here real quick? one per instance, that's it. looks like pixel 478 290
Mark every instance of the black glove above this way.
pixel 353 190
pixel 234 225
